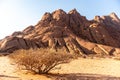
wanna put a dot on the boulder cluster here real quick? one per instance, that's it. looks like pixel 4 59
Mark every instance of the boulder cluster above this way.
pixel 69 31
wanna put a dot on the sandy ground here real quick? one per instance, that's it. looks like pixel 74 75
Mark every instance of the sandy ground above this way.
pixel 9 71
pixel 80 69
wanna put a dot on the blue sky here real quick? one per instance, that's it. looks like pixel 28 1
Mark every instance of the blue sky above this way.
pixel 16 15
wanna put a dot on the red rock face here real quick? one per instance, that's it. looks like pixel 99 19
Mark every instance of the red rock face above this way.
pixel 70 31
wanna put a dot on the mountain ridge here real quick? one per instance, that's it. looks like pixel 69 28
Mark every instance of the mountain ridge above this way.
pixel 70 31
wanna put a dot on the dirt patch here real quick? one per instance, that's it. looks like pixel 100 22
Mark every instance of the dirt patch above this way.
pixel 80 69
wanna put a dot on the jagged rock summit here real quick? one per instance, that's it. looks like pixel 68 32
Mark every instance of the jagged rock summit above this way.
pixel 69 31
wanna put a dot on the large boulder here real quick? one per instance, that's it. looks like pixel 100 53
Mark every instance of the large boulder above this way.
pixel 14 43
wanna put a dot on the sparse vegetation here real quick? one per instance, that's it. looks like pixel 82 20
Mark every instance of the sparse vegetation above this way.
pixel 40 61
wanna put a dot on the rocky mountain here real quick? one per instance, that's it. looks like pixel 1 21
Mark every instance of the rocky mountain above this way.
pixel 70 31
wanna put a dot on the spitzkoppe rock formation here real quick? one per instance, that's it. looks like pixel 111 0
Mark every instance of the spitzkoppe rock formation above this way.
pixel 69 31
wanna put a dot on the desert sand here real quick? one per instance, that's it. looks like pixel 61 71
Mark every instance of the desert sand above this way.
pixel 79 69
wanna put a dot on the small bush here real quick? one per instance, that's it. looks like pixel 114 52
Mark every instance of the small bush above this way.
pixel 40 61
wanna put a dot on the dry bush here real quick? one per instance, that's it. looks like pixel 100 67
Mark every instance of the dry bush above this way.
pixel 40 61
